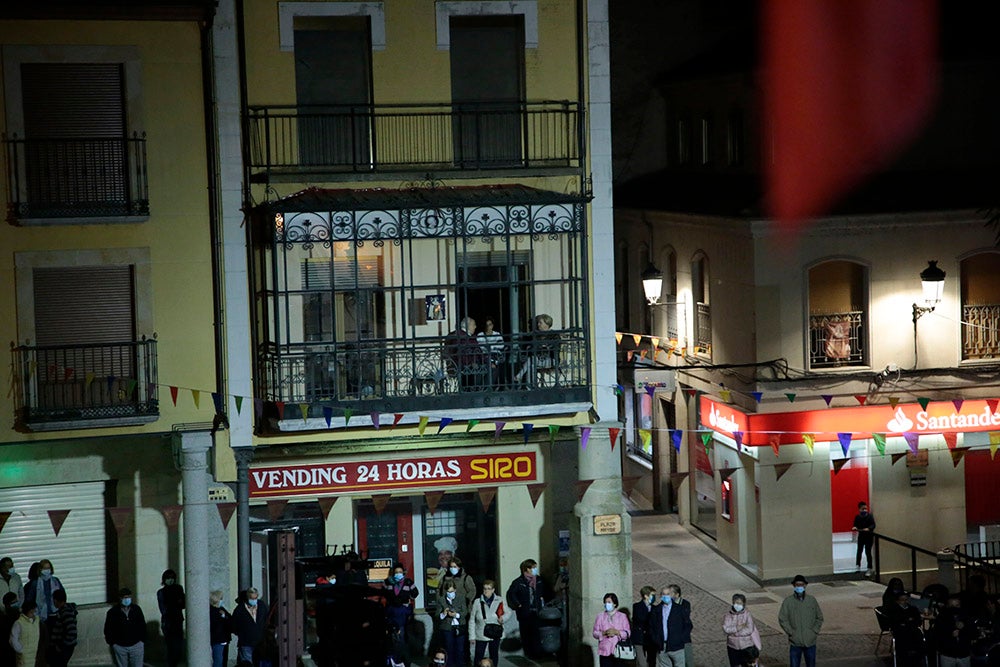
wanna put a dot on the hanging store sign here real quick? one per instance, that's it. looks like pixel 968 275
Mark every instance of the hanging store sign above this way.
pixel 380 476
pixel 825 424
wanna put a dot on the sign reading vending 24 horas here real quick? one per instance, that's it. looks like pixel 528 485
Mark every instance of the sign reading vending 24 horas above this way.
pixel 393 475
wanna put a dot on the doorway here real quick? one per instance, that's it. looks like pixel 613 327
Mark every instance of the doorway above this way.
pixel 847 488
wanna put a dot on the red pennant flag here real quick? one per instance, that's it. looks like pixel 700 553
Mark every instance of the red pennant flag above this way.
pixel 395 418
pixel 226 513
pixel 3 519
pixel 171 515
pixel 281 409
pixel 613 434
pixel 276 508
pixel 691 392
pixel 58 518
pixel 173 395
pixel 120 517
pixel 486 496
pixel 992 403
pixel 325 505
pixel 780 469
pixel 846 86
pixel 380 501
pixel 581 488
pixel 535 491
pixel 860 399
pixel 950 439
pixel 775 440
pixel 433 498
pixel 628 483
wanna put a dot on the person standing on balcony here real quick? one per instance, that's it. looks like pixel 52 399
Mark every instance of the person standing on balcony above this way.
pixel 542 353
pixel 864 525
pixel 463 357
pixel 491 342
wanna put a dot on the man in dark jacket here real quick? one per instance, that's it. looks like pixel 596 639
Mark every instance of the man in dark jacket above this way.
pixel 62 637
pixel 125 631
pixel 955 632
pixel 864 524
pixel 249 625
pixel 526 595
pixel 669 630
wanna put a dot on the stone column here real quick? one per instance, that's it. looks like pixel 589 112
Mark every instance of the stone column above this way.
pixel 599 564
pixel 244 455
pixel 194 448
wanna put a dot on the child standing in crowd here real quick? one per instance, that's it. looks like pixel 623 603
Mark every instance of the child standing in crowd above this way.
pixel 62 639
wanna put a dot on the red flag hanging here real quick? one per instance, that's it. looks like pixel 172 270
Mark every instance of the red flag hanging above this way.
pixel 325 505
pixel 581 488
pixel 58 518
pixel 613 435
pixel 486 496
pixel 535 491
pixel 775 440
pixel 173 394
pixel 276 508
pixel 3 519
pixel 433 498
pixel 171 515
pixel 380 501
pixel 950 439
pixel 846 86
pixel 226 513
pixel 120 517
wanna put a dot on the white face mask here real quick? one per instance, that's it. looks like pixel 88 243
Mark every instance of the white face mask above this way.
pixel 609 606
pixel 450 595
pixel 454 571
pixel 737 607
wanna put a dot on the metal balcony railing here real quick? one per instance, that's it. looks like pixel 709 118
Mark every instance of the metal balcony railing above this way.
pixel 837 339
pixel 77 177
pixel 981 331
pixel 404 137
pixel 400 376
pixel 703 329
pixel 80 383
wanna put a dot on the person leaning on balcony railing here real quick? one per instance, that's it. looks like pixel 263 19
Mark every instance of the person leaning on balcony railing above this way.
pixel 542 352
pixel 462 356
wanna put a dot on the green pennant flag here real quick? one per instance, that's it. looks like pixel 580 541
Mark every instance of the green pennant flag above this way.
pixel 790 397
pixel 553 429
pixel 471 425
pixel 706 438
pixel 239 403
pixel 347 416
pixel 923 403
pixel 879 439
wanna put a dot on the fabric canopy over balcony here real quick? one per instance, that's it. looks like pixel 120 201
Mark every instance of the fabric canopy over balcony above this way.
pixel 327 215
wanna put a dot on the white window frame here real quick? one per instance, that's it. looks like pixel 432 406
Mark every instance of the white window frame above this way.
pixel 288 11
pixel 443 11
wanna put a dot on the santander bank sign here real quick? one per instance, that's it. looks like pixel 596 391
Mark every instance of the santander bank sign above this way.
pixel 953 421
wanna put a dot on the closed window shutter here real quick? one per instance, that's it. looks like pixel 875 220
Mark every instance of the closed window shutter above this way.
pixel 79 554
pixel 84 304
pixel 73 100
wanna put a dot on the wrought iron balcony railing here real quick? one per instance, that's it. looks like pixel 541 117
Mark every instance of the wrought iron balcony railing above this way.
pixel 414 137
pixel 981 331
pixel 428 373
pixel 837 339
pixel 84 386
pixel 703 329
pixel 77 177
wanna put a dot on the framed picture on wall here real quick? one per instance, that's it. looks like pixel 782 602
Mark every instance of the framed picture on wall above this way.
pixel 434 305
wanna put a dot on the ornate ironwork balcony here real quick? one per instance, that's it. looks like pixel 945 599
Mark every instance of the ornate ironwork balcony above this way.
pixel 837 339
pixel 427 374
pixel 980 337
pixel 703 329
pixel 413 137
pixel 77 178
pixel 62 387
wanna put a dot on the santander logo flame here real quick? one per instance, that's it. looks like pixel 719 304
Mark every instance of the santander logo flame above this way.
pixel 900 423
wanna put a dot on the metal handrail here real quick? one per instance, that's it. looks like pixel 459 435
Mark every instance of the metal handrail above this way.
pixel 982 558
pixel 914 550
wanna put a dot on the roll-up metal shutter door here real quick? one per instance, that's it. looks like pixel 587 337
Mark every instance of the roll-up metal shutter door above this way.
pixel 79 554
pixel 84 304
pixel 73 100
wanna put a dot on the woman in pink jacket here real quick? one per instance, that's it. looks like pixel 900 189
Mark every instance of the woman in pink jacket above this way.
pixel 610 627
pixel 741 633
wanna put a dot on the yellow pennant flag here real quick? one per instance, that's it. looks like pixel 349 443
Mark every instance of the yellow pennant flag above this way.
pixel 304 409
pixel 637 338
pixel 196 395
pixel 646 437
pixel 726 394
pixel 655 341
pixel 628 356
pixel 618 337
pixel 422 425
pixel 810 441
pixel 89 379
pixel 994 443
pixel 893 401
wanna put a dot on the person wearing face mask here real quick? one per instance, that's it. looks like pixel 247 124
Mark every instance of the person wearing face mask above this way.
pixel 864 526
pixel 453 623
pixel 464 584
pixel 220 629
pixel 801 619
pixel 439 658
pixel 125 631
pixel 675 594
pixel 645 653
pixel 526 595
pixel 25 636
pixel 249 625
pixel 669 629
pixel 10 581
pixel 400 599
pixel 610 627
pixel 741 633
pixel 40 590
pixel 487 610
pixel 170 599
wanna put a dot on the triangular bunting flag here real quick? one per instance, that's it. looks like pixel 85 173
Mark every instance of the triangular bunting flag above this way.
pixel 471 424
pixel 497 427
pixel 58 518
pixel 690 391
pixel 584 437
pixel 838 464
pixel 642 355
pixel 958 402
pixel 650 390
pixel 726 395
pixel 845 441
pixel 618 337
pixel 790 397
pixel 196 396
pixel 239 403
pixel 613 436
pixel 675 437
pixel 956 456
pixel 725 473
pixel 637 339
pixel 280 405
pixel 173 390
pixel 677 478
pixel 775 440
pixel 325 505
pixel 304 411
pixel 432 498
pixel 992 404
pixel 893 401
pixel 395 418
pixel 380 501
pixel 860 399
pixel 535 492
pixel 628 357
pixel 827 398
pixel 120 517
pixel 646 438
pixel 422 425
pixel 328 415
pixel 896 457
pixel 276 508
pixel 924 402
pixel 780 469
pixel 444 423
pixel 217 402
pixel 130 387
pixel 628 483
pixel 706 439
pixel 810 441
pixel 88 378
pixel 553 429
pixel 913 440
pixel 738 437
pixel 528 428
pixel 258 407
pixel 171 515
pixel 226 511
pixel 347 416
pixel 757 395
pixel 879 439
pixel 376 420
pixel 486 496
pixel 581 488
pixel 3 519
pixel 950 439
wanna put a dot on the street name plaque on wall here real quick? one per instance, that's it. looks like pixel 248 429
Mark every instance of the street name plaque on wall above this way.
pixel 608 524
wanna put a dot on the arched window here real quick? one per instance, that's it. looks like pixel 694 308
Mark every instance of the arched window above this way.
pixel 981 306
pixel 838 314
pixel 702 310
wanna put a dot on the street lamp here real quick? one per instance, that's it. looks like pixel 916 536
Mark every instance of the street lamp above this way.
pixel 652 284
pixel 932 282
